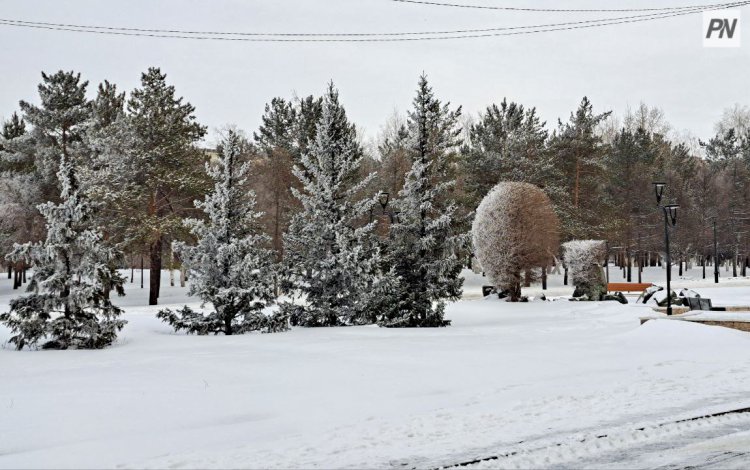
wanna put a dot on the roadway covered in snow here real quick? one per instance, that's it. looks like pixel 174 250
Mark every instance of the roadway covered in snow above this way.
pixel 550 384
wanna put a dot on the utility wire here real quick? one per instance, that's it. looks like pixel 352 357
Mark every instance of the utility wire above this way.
pixel 548 10
pixel 358 37
pixel 67 27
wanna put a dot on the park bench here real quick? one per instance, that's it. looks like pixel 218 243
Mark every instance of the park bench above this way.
pixel 699 303
pixel 628 286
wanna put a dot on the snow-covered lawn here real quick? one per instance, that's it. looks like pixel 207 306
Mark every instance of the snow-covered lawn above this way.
pixel 542 372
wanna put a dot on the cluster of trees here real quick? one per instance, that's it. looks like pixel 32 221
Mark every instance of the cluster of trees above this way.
pixel 306 189
pixel 126 176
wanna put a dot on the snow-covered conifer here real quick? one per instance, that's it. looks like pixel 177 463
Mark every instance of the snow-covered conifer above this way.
pixel 68 305
pixel 330 257
pixel 229 266
pixel 425 242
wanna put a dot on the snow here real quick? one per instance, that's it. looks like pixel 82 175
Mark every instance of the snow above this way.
pixel 538 372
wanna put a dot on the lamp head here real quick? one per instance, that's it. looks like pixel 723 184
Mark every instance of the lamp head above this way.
pixel 383 199
pixel 672 211
pixel 659 190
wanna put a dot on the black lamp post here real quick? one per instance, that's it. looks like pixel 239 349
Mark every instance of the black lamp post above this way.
pixel 670 219
pixel 716 255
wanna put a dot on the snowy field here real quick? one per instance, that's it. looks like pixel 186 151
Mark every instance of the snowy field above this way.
pixel 543 384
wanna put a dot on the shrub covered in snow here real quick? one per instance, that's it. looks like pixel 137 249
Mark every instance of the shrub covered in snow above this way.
pixel 583 258
pixel 515 231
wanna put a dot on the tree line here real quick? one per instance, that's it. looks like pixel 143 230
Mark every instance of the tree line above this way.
pixel 407 201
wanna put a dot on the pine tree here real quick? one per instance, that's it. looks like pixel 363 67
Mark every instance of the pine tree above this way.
pixel 164 168
pixel 507 144
pixel 31 160
pixel 68 305
pixel 13 127
pixel 278 152
pixel 329 254
pixel 578 152
pixel 58 126
pixel 229 267
pixel 425 243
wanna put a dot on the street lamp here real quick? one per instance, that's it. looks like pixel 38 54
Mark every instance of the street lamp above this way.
pixel 383 200
pixel 659 189
pixel 670 219
pixel 716 255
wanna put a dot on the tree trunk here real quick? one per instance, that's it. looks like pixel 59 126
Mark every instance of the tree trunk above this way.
pixel 171 266
pixel 183 276
pixel 629 261
pixel 154 271
pixel 576 189
pixel 544 277
pixel 514 294
pixel 10 272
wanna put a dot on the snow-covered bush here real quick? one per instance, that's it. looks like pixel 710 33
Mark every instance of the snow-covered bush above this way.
pixel 515 231
pixel 584 258
pixel 74 270
pixel 229 267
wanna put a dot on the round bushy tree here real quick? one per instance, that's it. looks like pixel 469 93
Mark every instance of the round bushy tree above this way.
pixel 515 231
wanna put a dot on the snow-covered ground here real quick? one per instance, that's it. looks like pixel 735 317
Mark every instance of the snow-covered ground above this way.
pixel 541 384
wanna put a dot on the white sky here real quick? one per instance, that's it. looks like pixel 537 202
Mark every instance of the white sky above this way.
pixel 660 62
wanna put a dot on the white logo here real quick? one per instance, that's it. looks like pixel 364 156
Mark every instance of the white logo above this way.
pixel 721 28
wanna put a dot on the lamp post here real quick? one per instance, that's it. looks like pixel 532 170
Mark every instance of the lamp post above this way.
pixel 670 219
pixel 716 255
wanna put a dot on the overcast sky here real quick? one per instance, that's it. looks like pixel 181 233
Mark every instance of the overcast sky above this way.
pixel 662 62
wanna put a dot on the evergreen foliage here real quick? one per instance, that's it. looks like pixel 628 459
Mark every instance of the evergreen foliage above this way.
pixel 423 251
pixel 229 267
pixel 68 305
pixel 507 144
pixel 330 256
pixel 162 170
pixel 578 151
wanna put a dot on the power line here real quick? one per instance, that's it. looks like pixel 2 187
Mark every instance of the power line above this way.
pixel 171 32
pixel 358 37
pixel 549 10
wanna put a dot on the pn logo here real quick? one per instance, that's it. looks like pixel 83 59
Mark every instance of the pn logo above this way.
pixel 721 28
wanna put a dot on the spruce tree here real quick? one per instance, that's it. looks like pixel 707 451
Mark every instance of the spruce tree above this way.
pixel 425 240
pixel 68 305
pixel 230 268
pixel 329 254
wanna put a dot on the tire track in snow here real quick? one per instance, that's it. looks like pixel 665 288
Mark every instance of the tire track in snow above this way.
pixel 585 447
